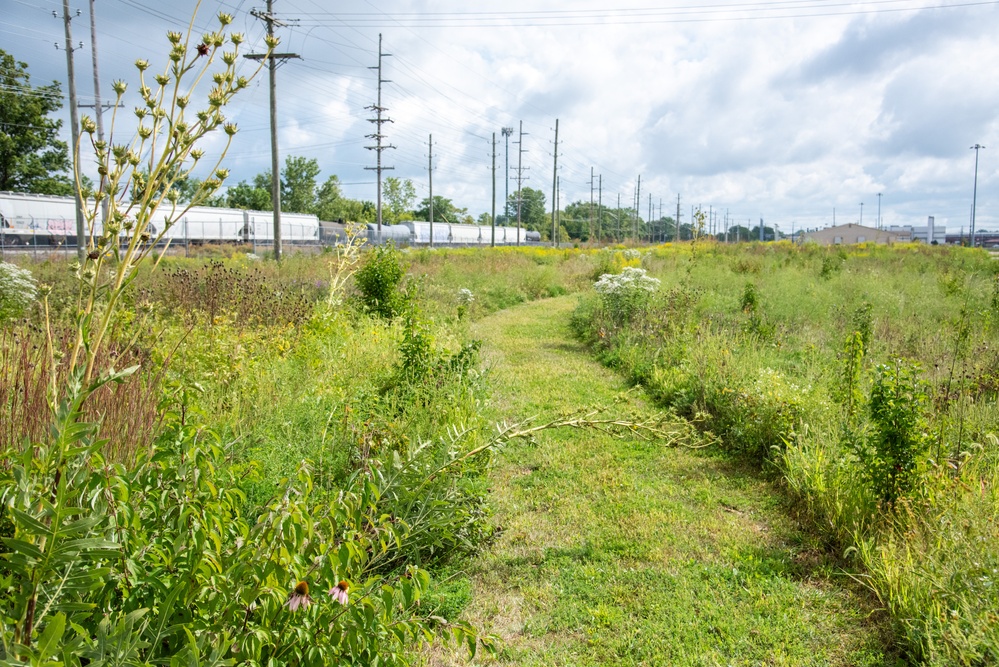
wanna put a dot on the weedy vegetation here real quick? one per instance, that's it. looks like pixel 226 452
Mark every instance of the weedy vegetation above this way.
pixel 865 380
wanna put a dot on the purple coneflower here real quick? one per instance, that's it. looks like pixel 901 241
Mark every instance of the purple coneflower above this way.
pixel 299 597
pixel 339 592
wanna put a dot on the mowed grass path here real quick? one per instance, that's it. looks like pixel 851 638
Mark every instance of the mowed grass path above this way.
pixel 624 552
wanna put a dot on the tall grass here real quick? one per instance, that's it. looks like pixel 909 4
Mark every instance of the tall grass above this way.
pixel 751 338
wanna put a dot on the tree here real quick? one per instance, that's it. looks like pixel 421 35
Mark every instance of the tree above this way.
pixel 400 196
pixel 444 210
pixel 331 205
pixel 532 210
pixel 255 196
pixel 298 184
pixel 32 159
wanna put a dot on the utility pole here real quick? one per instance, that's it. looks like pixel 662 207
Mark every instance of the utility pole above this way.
pixel 378 136
pixel 492 242
pixel 430 176
pixel 974 195
pixel 506 131
pixel 600 207
pixel 74 122
pixel 591 203
pixel 677 217
pixel 662 234
pixel 272 62
pixel 555 188
pixel 520 177
pixel 650 217
pixel 558 207
pixel 98 106
pixel 638 204
pixel 879 210
pixel 861 213
pixel 618 233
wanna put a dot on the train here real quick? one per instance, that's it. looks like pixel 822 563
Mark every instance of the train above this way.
pixel 48 220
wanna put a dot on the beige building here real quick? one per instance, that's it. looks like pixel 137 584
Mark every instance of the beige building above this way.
pixel 851 234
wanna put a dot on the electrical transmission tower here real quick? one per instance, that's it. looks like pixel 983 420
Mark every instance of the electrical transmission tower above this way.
pixel 379 120
pixel 272 63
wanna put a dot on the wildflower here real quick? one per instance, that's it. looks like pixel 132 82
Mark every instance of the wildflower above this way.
pixel 339 592
pixel 299 597
pixel 202 50
pixel 18 289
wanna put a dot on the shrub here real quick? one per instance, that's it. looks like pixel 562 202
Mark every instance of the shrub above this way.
pixel 750 298
pixel 378 281
pixel 891 454
pixel 623 294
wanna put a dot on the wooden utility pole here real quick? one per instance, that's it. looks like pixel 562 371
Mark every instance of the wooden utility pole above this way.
pixel 638 204
pixel 677 222
pixel 555 188
pixel 492 241
pixel 591 204
pixel 520 177
pixel 600 206
pixel 74 123
pixel 272 63
pixel 430 176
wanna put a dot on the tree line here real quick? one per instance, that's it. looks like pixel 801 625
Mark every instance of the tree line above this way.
pixel 33 159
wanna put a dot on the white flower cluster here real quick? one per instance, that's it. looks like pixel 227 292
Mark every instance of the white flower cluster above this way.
pixel 625 293
pixel 630 281
pixel 631 253
pixel 465 296
pixel 18 291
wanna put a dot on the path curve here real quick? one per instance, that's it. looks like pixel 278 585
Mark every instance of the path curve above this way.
pixel 630 553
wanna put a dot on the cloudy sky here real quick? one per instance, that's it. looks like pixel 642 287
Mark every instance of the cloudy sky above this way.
pixel 783 109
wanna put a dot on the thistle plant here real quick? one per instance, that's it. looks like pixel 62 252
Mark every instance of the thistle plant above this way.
pixel 347 254
pixel 64 536
pixel 137 177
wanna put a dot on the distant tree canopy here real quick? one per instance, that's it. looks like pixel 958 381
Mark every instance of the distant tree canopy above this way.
pixel 532 209
pixel 399 197
pixel 444 211
pixel 32 159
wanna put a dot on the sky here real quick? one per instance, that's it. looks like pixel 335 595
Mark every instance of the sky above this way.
pixel 799 112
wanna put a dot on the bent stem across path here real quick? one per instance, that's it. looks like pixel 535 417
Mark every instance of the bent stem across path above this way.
pixel 627 552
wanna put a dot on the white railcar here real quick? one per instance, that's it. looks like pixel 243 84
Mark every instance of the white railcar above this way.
pixel 465 234
pixel 32 219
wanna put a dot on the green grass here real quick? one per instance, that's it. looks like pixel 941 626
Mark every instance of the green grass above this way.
pixel 626 552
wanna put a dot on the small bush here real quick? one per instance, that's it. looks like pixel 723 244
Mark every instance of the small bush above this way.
pixel 891 454
pixel 378 281
pixel 625 293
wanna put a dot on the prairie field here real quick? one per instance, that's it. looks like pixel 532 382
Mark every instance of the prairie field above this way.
pixel 689 454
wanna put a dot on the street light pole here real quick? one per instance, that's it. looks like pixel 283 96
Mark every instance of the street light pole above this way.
pixel 974 196
pixel 861 213
pixel 879 210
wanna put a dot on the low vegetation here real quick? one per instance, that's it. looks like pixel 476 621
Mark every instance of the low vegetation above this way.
pixel 288 463
pixel 864 378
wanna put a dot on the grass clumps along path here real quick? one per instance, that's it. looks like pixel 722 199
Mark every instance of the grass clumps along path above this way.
pixel 627 552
